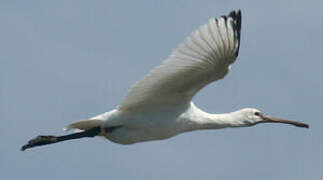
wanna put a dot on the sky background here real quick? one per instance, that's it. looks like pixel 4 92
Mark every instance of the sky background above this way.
pixel 66 60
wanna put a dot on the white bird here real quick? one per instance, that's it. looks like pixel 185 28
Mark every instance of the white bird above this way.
pixel 160 105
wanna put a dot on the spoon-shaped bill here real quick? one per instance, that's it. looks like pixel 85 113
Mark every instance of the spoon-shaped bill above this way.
pixel 268 119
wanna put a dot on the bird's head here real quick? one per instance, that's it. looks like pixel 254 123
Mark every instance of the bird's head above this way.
pixel 251 117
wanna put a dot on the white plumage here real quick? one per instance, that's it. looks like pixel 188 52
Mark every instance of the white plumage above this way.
pixel 204 57
pixel 160 105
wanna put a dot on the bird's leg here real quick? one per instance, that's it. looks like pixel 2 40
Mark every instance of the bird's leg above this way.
pixel 43 140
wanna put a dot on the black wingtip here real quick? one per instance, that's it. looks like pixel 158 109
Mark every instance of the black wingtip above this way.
pixel 24 148
pixel 236 16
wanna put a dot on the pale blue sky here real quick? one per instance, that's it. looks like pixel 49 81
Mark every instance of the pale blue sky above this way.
pixel 66 60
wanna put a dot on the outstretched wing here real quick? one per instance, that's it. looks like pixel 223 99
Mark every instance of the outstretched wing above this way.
pixel 205 56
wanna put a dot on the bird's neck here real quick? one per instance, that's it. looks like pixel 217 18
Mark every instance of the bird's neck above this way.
pixel 204 120
pixel 218 121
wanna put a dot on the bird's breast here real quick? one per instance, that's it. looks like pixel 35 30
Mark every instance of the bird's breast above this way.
pixel 147 126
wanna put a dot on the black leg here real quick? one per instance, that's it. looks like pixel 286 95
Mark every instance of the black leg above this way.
pixel 43 140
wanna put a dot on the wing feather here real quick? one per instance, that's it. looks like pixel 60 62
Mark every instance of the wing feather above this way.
pixel 205 56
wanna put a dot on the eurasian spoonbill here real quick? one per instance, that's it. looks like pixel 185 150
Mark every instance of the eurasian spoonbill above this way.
pixel 160 105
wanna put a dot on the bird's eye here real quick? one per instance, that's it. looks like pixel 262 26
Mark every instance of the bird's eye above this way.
pixel 257 113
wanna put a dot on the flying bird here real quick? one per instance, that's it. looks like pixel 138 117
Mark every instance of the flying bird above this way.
pixel 160 106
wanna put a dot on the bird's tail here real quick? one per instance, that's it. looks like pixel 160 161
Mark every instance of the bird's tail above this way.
pixel 84 125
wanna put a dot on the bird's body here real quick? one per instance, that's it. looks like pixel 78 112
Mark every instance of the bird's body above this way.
pixel 138 126
pixel 160 105
pixel 155 123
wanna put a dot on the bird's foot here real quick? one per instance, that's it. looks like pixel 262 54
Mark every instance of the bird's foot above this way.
pixel 38 141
